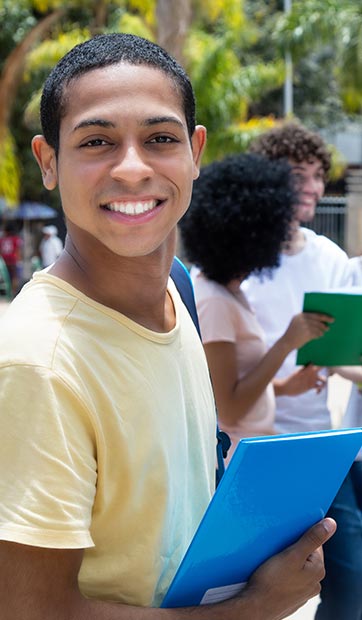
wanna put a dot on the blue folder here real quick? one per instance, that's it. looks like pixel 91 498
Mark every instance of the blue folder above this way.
pixel 273 490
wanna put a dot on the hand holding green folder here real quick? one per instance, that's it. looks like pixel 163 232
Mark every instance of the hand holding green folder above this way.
pixel 341 345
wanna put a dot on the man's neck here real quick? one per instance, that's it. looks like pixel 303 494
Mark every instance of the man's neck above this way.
pixel 135 287
pixel 297 241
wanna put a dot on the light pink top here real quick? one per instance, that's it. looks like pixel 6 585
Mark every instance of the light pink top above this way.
pixel 227 317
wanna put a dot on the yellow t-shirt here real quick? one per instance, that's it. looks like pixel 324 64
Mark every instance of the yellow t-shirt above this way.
pixel 108 438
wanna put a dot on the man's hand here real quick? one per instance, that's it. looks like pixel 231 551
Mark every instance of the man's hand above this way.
pixel 42 583
pixel 288 580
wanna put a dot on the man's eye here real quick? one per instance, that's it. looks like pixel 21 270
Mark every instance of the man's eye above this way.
pixel 162 140
pixel 95 142
pixel 299 178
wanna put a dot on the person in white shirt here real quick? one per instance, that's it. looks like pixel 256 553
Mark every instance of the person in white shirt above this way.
pixel 353 414
pixel 50 246
pixel 310 262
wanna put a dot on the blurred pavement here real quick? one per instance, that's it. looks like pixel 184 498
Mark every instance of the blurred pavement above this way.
pixel 306 612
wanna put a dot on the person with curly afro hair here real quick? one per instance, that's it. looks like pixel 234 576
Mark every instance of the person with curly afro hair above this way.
pixel 240 214
pixel 310 262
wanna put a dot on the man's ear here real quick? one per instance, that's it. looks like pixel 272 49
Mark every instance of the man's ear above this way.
pixel 198 141
pixel 46 158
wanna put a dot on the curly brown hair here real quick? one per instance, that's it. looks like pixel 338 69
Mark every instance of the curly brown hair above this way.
pixel 292 141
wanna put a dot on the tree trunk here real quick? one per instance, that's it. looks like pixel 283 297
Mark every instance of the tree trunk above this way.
pixel 12 73
pixel 173 19
pixel 100 17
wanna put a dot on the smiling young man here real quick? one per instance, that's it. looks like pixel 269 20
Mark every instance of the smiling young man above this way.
pixel 310 262
pixel 107 414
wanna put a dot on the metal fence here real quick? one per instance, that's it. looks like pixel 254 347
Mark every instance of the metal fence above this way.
pixel 330 219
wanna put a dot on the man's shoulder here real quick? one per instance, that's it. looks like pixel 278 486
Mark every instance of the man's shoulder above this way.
pixel 31 326
pixel 321 243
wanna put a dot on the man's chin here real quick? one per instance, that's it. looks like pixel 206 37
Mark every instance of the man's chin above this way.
pixel 305 215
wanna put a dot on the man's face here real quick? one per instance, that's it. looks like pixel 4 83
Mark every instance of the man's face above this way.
pixel 125 166
pixel 309 180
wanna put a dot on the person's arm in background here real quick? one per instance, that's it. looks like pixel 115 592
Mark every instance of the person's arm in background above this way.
pixel 352 373
pixel 38 583
pixel 300 381
pixel 351 277
pixel 235 396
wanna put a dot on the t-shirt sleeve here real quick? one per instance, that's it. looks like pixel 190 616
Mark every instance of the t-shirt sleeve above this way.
pixel 345 276
pixel 355 270
pixel 47 461
pixel 217 320
pixel 337 264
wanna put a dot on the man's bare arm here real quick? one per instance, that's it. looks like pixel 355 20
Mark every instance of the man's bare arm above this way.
pixel 43 583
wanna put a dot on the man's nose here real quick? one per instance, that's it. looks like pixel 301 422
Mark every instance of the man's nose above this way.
pixel 131 165
pixel 312 185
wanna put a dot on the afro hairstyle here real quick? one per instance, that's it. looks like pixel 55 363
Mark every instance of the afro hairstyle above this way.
pixel 240 215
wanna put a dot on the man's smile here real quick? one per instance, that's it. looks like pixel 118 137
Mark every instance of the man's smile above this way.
pixel 137 207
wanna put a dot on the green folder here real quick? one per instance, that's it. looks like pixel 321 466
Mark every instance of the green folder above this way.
pixel 341 345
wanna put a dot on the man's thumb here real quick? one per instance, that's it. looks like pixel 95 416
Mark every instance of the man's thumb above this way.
pixel 317 535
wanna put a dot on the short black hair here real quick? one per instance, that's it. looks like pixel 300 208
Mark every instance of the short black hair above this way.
pixel 240 214
pixel 291 140
pixel 102 51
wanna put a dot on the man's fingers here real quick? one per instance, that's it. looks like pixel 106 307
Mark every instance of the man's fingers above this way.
pixel 312 367
pixel 320 383
pixel 315 537
pixel 315 556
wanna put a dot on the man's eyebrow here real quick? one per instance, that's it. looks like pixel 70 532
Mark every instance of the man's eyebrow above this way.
pixel 158 120
pixel 148 122
pixel 94 122
pixel 300 166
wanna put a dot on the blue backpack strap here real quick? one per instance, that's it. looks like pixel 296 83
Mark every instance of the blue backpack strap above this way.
pixel 183 282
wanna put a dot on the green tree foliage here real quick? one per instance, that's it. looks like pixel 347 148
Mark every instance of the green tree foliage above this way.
pixel 10 173
pixel 226 74
pixel 28 30
pixel 332 28
pixel 233 50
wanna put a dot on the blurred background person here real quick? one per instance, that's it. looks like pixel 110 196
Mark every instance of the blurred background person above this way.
pixel 240 214
pixel 353 413
pixel 50 246
pixel 310 262
pixel 11 252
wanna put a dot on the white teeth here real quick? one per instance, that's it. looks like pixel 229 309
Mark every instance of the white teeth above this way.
pixel 132 208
